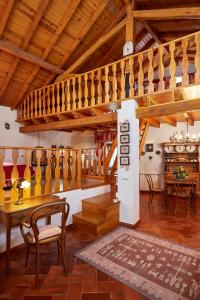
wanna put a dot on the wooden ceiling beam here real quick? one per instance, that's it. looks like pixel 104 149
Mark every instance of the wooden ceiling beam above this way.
pixel 168 13
pixel 92 49
pixel 96 112
pixel 32 28
pixel 61 26
pixel 14 50
pixel 153 122
pixel 169 120
pixel 189 118
pixel 5 15
pixel 75 123
pixel 168 108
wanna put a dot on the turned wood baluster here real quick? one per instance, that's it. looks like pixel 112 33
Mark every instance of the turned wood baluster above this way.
pixel 79 92
pixel 131 77
pixel 58 97
pixel 89 162
pixel 40 102
pixel 74 164
pixel 74 93
pixel 53 98
pixel 48 99
pixel 150 71
pixel 14 175
pixel 122 66
pixel 99 163
pixel 57 171
pixel 38 174
pixel 85 162
pixel 107 87
pixel 92 89
pixel 94 164
pixel 28 106
pixel 32 102
pixel 79 165
pixel 114 69
pixel 86 90
pixel 172 66
pixel 48 172
pixel 68 97
pixel 35 101
pixel 197 57
pixel 25 103
pixel 63 96
pixel 99 87
pixel 2 176
pixel 185 63
pixel 161 84
pixel 27 173
pixel 140 75
pixel 44 100
pixel 65 169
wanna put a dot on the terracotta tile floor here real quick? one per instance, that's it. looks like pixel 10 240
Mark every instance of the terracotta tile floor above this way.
pixel 85 282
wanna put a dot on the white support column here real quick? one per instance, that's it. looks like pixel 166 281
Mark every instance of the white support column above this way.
pixel 128 176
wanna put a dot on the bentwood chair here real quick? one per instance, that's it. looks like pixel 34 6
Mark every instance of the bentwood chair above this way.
pixel 40 235
pixel 153 191
pixel 184 191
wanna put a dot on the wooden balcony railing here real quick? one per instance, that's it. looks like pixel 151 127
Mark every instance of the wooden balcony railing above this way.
pixel 48 170
pixel 93 162
pixel 136 75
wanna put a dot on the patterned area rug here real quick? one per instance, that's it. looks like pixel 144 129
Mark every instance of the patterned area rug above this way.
pixel 156 268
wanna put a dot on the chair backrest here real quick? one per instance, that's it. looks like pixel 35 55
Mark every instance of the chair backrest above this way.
pixel 185 190
pixel 47 210
pixel 149 181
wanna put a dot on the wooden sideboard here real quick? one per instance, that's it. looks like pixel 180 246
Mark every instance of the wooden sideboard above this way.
pixel 12 215
pixel 182 154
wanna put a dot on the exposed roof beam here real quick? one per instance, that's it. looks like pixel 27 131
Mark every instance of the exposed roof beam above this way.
pixel 168 13
pixel 189 118
pixel 14 50
pixel 74 123
pixel 153 122
pixel 5 15
pixel 61 26
pixel 169 120
pixel 168 108
pixel 152 32
pixel 92 49
pixel 42 8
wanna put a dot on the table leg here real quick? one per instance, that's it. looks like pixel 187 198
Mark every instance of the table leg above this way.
pixel 8 237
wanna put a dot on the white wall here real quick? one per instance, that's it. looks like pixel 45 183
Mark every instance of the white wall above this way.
pixel 157 136
pixel 13 137
pixel 85 139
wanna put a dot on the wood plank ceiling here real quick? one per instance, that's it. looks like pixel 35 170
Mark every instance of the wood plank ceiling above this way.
pixel 42 38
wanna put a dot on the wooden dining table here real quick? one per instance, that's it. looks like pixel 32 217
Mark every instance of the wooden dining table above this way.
pixel 184 183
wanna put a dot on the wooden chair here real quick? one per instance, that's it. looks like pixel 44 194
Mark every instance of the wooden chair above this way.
pixel 185 193
pixel 40 235
pixel 153 191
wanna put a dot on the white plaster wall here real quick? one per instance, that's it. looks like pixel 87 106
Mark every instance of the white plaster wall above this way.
pixel 128 176
pixel 85 139
pixel 157 136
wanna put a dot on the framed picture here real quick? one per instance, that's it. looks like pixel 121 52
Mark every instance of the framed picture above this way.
pixel 124 138
pixel 125 127
pixel 124 160
pixel 124 149
pixel 149 147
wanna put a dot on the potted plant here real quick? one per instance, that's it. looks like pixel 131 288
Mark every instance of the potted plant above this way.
pixel 180 173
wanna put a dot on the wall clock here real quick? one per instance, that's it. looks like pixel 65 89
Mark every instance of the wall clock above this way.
pixel 128 48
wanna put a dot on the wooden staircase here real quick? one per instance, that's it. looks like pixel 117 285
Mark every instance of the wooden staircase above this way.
pixel 99 214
